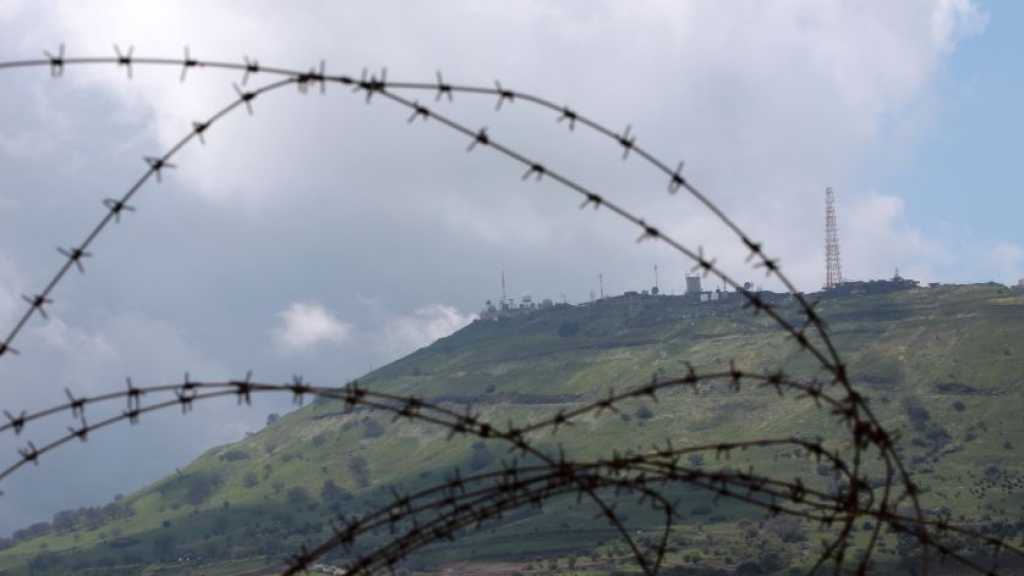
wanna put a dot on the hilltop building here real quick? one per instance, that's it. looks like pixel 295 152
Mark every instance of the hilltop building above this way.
pixel 507 307
pixel 693 285
pixel 859 287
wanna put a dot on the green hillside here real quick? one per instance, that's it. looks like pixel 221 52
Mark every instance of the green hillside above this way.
pixel 943 367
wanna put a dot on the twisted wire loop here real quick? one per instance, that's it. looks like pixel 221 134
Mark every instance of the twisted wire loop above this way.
pixel 808 330
pixel 378 84
pixel 643 474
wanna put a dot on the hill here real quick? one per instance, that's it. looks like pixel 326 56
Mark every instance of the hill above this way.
pixel 941 366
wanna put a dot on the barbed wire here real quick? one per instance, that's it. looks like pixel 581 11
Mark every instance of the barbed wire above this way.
pixel 462 505
pixel 373 84
pixel 189 391
pixel 855 502
pixel 865 429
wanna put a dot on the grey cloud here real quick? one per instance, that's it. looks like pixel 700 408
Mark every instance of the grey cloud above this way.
pixel 329 200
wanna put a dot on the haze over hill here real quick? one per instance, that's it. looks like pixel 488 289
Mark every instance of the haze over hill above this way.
pixel 942 368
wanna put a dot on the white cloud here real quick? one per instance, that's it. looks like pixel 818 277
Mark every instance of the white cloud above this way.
pixel 305 326
pixel 877 240
pixel 407 333
pixel 11 284
pixel 10 8
pixel 954 20
pixel 767 103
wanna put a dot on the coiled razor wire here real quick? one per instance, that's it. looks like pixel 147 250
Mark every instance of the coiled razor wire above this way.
pixel 856 500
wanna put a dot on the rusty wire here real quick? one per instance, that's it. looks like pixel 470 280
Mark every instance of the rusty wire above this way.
pixel 658 467
pixel 866 432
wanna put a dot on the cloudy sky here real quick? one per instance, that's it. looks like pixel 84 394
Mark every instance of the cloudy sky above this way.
pixel 325 236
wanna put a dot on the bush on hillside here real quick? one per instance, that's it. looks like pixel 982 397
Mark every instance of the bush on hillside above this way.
pixel 331 492
pixel 568 329
pixel 298 496
pixel 235 455
pixel 360 471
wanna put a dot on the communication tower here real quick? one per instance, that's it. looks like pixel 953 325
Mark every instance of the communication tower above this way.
pixel 833 267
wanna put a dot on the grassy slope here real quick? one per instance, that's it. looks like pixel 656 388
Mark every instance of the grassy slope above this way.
pixel 927 348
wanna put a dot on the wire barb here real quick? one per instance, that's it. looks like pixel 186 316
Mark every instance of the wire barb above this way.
pixel 17 423
pixel 676 180
pixel 535 170
pixel 30 453
pixel 503 95
pixel 198 128
pixel 245 97
pixel 56 62
pixel 37 302
pixel 80 433
pixel 481 138
pixel 443 89
pixel 75 255
pixel 592 199
pixel 157 165
pixel 570 115
pixel 125 59
pixel 186 63
pixel 418 111
pixel 703 265
pixel 134 395
pixel 116 207
pixel 627 141
pixel 249 67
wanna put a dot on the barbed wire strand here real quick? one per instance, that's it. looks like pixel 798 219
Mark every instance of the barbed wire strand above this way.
pixel 373 84
pixel 865 432
pixel 187 393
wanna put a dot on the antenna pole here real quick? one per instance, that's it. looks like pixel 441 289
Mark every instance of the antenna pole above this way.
pixel 833 267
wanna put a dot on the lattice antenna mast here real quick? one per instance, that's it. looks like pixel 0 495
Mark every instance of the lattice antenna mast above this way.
pixel 833 267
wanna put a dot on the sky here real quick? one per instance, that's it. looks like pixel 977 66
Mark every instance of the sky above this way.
pixel 325 236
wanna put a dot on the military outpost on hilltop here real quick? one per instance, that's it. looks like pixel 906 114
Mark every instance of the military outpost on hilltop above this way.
pixel 835 285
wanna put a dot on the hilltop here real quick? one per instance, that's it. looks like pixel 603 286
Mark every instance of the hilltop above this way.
pixel 941 366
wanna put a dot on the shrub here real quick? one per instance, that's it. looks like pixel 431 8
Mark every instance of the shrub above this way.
pixel 200 486
pixel 234 455
pixel 298 496
pixel 916 412
pixel 787 528
pixel 360 471
pixel 372 429
pixel 331 492
pixel 568 329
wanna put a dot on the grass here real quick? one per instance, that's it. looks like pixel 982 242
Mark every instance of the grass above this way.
pixel 956 352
